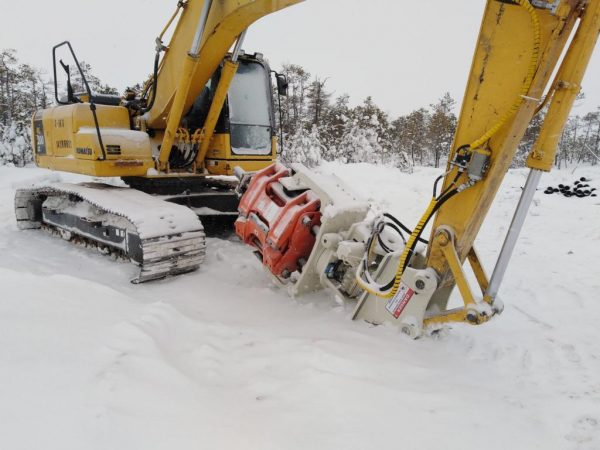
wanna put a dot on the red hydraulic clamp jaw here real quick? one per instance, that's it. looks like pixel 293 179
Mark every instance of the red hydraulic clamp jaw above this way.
pixel 280 224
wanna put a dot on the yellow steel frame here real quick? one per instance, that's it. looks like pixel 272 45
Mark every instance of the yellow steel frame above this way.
pixel 496 78
pixel 227 73
pixel 470 312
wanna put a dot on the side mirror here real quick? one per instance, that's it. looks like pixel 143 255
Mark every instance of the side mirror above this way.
pixel 282 84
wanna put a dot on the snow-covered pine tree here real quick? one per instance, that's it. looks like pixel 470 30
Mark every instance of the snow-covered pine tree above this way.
pixel 23 89
pixel 333 126
pixel 410 135
pixel 15 145
pixel 441 128
pixel 304 147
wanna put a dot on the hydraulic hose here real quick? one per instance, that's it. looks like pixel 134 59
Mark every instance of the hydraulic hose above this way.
pixel 412 240
pixel 391 288
pixel 159 48
pixel 403 227
pixel 154 88
pixel 535 56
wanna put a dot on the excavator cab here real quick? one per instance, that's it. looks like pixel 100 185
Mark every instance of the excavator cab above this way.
pixel 245 132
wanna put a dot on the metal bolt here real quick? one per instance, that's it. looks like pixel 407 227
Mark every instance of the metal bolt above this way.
pixel 420 284
pixel 472 318
pixel 443 239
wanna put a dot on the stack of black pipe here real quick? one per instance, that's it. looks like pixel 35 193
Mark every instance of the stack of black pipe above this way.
pixel 580 189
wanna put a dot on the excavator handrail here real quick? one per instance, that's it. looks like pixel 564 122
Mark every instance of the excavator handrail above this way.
pixel 70 89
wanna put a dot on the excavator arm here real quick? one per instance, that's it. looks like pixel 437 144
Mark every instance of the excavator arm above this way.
pixel 521 46
pixel 518 51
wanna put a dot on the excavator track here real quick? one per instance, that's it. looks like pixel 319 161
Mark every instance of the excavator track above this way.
pixel 163 238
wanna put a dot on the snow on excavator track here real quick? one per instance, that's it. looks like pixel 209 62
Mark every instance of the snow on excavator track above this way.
pixel 163 238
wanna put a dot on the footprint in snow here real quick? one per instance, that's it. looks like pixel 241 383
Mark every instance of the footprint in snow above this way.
pixel 585 433
pixel 570 353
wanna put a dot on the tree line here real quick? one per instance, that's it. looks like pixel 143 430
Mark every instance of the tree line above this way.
pixel 318 127
pixel 314 125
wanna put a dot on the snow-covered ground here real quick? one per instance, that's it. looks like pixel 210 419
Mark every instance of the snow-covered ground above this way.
pixel 221 359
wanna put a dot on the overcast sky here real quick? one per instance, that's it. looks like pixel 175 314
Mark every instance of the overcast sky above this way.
pixel 405 54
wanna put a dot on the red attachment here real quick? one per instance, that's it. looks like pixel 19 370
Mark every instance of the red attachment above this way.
pixel 277 223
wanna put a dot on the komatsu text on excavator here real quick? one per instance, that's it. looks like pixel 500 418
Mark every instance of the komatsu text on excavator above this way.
pixel 207 111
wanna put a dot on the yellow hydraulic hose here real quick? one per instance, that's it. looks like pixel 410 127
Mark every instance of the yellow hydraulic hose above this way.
pixel 535 55
pixel 403 257
pixel 409 245
pixel 180 6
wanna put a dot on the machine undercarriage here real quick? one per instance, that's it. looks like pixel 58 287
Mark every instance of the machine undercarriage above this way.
pixel 163 238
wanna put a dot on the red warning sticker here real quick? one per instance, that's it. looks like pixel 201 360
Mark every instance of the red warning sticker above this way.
pixel 398 302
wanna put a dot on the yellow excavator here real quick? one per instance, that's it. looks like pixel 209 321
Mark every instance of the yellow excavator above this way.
pixel 203 112
pixel 207 112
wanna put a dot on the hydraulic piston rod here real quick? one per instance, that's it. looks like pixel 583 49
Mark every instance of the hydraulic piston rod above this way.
pixel 513 233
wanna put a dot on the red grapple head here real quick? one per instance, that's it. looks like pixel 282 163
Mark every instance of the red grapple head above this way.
pixel 277 222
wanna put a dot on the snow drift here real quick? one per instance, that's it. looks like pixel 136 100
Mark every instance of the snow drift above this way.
pixel 221 359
